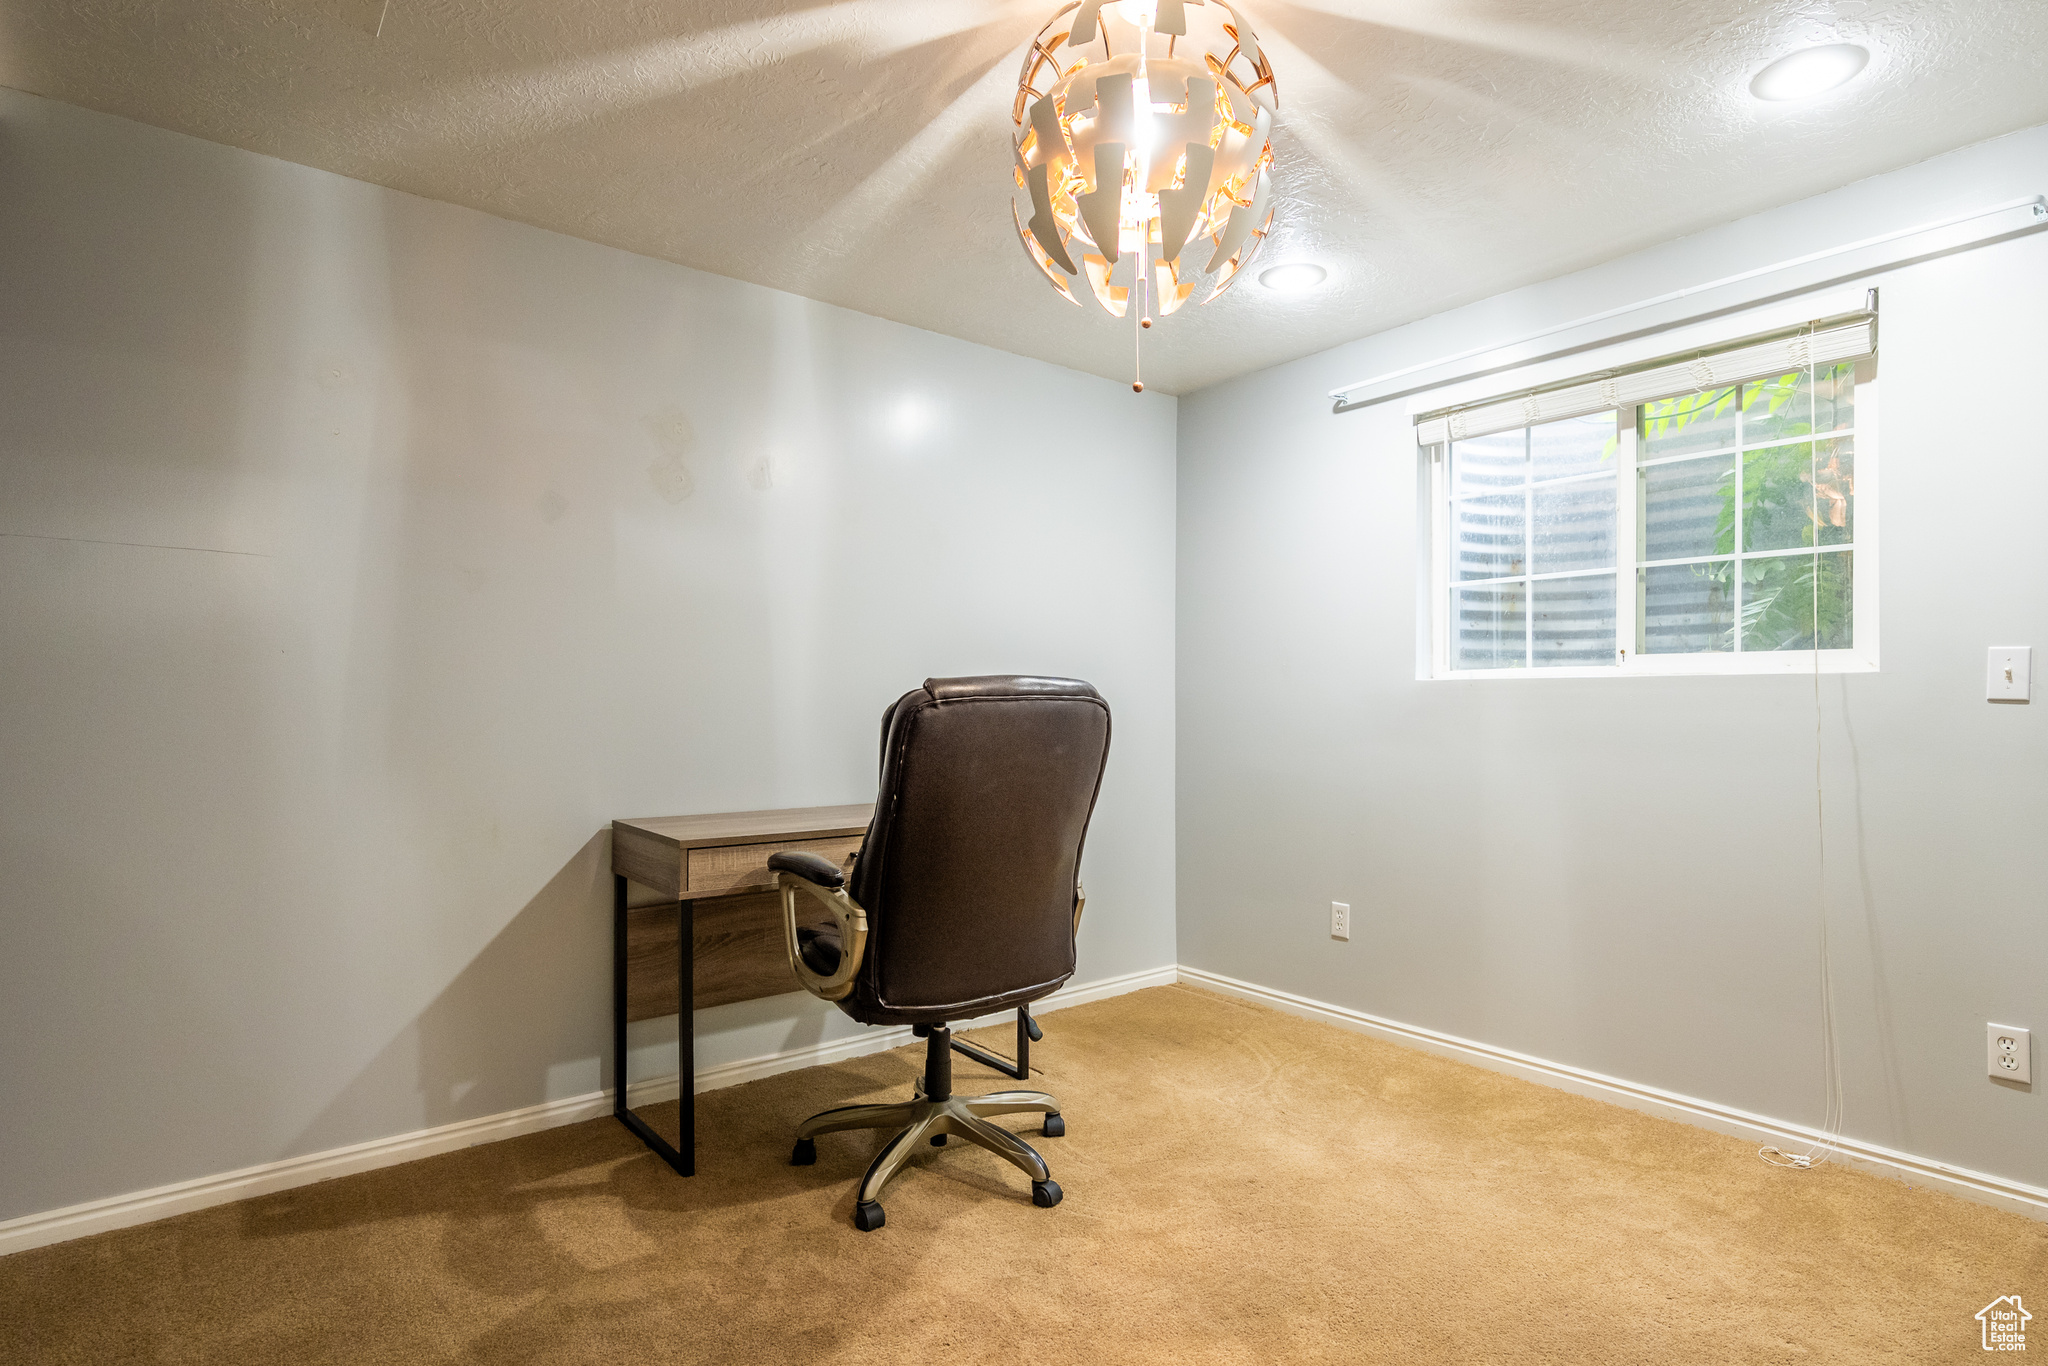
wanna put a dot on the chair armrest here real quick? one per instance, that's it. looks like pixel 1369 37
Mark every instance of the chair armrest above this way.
pixel 852 920
pixel 815 868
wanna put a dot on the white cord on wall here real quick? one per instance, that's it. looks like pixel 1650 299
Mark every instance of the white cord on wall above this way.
pixel 1831 1057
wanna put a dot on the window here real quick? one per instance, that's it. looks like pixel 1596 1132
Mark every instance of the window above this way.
pixel 1533 538
pixel 1708 529
pixel 1748 516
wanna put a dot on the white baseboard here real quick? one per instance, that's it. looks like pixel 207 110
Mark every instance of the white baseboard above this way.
pixel 140 1207
pixel 1981 1187
pixel 181 1197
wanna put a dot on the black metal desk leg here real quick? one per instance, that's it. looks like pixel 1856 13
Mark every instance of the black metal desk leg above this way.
pixel 684 1161
pixel 1027 1030
pixel 686 1035
pixel 618 994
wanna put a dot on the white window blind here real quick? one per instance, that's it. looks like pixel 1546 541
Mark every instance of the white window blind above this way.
pixel 1837 340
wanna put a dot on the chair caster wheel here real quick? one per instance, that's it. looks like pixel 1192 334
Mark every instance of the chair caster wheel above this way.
pixel 868 1216
pixel 938 1140
pixel 1044 1194
pixel 1055 1127
pixel 804 1153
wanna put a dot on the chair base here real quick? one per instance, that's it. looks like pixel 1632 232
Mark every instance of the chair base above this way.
pixel 923 1119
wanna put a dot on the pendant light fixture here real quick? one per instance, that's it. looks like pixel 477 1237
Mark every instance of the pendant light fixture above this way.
pixel 1143 154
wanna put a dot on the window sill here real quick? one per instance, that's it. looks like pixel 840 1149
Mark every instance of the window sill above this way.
pixel 1790 663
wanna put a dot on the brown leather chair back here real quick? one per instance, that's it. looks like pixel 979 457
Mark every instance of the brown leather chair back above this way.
pixel 968 871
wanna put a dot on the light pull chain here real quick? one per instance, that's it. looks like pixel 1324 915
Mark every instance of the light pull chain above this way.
pixel 1141 294
pixel 1141 301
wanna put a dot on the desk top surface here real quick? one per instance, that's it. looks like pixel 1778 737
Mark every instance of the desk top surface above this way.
pixel 750 827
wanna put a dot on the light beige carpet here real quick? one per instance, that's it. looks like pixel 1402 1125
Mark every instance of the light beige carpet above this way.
pixel 1241 1186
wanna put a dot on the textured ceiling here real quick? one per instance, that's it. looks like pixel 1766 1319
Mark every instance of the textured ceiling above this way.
pixel 1429 152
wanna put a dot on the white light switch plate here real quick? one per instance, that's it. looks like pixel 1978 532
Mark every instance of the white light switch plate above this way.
pixel 2008 673
pixel 2009 1052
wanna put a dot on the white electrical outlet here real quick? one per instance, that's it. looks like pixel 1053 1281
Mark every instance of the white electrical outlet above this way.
pixel 2008 673
pixel 1340 920
pixel 2010 1052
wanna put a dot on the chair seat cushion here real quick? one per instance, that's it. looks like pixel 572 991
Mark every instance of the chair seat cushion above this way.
pixel 819 947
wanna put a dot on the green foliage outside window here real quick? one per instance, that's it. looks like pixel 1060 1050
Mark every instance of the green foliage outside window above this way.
pixel 1796 489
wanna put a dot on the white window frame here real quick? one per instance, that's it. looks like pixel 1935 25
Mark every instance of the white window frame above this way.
pixel 1861 657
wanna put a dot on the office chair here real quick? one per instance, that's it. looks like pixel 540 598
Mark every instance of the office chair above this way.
pixel 964 901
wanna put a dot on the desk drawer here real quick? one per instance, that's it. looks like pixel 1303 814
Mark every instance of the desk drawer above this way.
pixel 728 868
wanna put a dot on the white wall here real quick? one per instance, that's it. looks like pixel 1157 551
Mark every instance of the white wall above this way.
pixel 362 557
pixel 1620 875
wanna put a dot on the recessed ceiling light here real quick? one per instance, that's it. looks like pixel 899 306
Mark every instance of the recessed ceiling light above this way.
pixel 1292 279
pixel 1810 72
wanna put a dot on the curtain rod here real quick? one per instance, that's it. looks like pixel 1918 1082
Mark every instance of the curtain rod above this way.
pixel 1771 334
pixel 2035 202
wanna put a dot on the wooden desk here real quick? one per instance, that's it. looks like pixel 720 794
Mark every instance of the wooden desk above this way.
pixel 726 909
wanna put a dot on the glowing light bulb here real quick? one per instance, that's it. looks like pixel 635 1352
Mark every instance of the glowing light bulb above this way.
pixel 1141 106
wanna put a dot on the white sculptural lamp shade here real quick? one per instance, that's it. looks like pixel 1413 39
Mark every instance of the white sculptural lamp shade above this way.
pixel 1142 151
